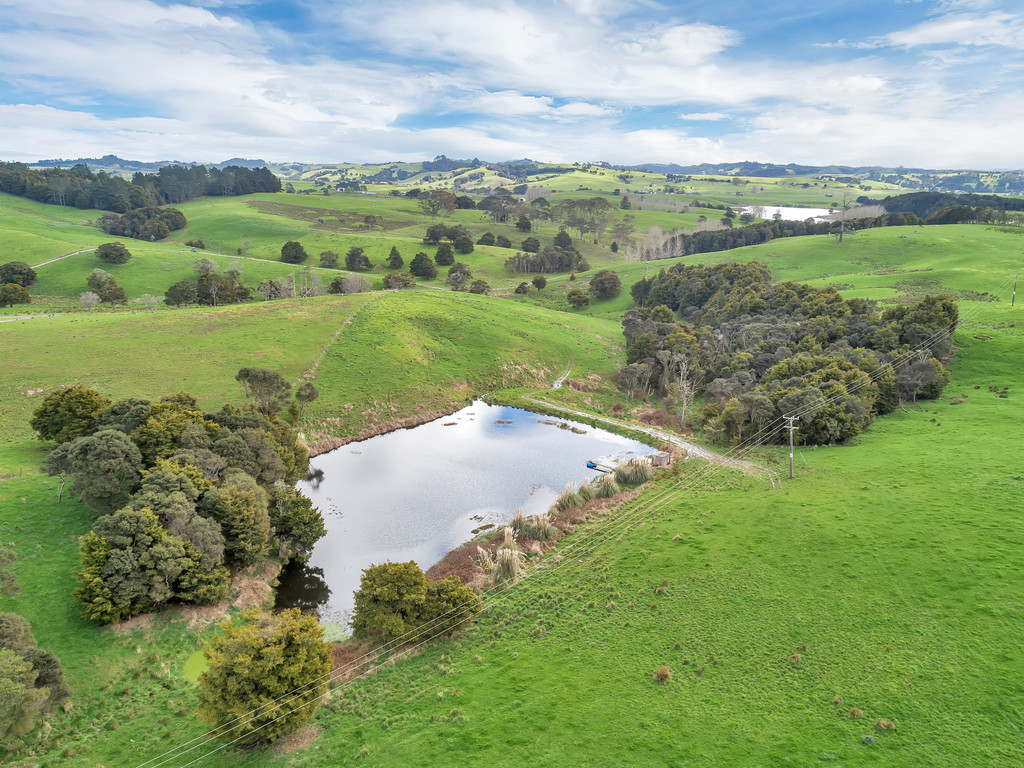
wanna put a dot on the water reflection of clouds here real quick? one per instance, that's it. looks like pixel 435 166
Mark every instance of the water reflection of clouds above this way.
pixel 414 493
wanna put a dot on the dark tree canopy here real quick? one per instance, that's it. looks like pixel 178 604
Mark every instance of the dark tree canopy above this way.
pixel 292 252
pixel 12 293
pixel 395 260
pixel 67 414
pixel 113 253
pixel 329 259
pixel 605 284
pixel 423 266
pixel 577 298
pixel 445 255
pixel 105 286
pixel 17 272
pixel 356 260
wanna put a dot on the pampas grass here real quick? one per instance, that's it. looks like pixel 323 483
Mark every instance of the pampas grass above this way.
pixel 606 487
pixel 636 472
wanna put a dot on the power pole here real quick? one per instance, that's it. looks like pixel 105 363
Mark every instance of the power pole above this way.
pixel 791 426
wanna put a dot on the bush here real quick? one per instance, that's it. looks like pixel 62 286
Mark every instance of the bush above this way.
pixel 605 284
pixel 635 472
pixel 662 675
pixel 67 414
pixel 356 260
pixel 20 273
pixel 445 255
pixel 329 259
pixel 12 293
pixel 577 298
pixel 487 238
pixel 479 286
pixel 399 280
pixel 503 242
pixel 540 282
pixel 292 252
pixel 113 253
pixel 394 599
pixel 423 266
pixel 258 660
pixel 531 245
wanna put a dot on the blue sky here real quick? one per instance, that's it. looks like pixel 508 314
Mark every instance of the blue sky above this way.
pixel 933 83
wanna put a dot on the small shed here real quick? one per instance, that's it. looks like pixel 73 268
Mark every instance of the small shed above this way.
pixel 661 459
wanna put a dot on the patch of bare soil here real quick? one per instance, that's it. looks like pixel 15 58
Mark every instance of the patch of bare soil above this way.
pixel 250 588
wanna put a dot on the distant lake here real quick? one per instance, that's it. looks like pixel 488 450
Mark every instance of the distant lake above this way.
pixel 788 214
pixel 416 494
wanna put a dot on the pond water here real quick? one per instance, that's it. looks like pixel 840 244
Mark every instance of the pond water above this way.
pixel 788 214
pixel 415 494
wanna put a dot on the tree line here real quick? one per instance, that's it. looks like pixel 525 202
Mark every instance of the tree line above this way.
pixel 184 496
pixel 79 187
pixel 758 350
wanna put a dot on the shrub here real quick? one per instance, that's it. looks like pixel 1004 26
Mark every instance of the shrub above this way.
pixel 577 298
pixel 568 499
pixel 635 472
pixel 292 252
pixel 662 675
pixel 399 280
pixel 423 266
pixel 508 565
pixel 606 487
pixel 487 238
pixel 540 282
pixel 113 253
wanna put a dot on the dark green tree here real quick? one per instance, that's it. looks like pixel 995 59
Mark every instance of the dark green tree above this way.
pixel 292 252
pixel 105 466
pixel 68 413
pixel 563 240
pixel 423 266
pixel 258 660
pixel 395 260
pixel 487 238
pixel 606 284
pixel 502 242
pixel 329 260
pixel 268 389
pixel 12 293
pixel 522 289
pixel 445 255
pixel 356 260
pixel 17 272
pixel 183 292
pixel 479 286
pixel 106 287
pixel 531 245
pixel 524 224
pixel 113 253
pixel 298 525
pixel 540 282
pixel 463 242
pixel 240 506
pixel 577 298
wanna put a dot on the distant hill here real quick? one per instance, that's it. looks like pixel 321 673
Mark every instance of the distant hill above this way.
pixel 113 163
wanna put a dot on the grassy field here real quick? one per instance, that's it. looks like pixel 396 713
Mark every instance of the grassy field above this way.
pixel 884 577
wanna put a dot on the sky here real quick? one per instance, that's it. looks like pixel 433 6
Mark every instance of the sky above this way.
pixel 918 83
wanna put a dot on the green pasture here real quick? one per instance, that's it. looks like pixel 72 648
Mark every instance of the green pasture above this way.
pixel 885 577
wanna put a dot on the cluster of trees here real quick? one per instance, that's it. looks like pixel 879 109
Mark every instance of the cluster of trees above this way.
pixel 712 241
pixel 147 223
pixel 560 256
pixel 210 288
pixel 32 680
pixel 458 236
pixel 81 188
pixel 930 205
pixel 187 494
pixel 759 350
pixel 15 279
pixel 488 238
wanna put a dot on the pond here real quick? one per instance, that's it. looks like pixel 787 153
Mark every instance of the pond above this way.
pixel 788 214
pixel 415 494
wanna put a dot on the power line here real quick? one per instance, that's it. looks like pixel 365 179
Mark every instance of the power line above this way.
pixel 624 522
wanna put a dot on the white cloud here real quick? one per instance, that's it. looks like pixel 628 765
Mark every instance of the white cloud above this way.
pixel 1002 29
pixel 704 116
